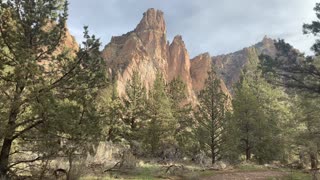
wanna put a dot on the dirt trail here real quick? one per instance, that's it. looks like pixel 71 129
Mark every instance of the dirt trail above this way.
pixel 250 175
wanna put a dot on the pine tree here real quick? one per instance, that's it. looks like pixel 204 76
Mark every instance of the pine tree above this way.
pixel 111 106
pixel 161 127
pixel 211 115
pixel 135 105
pixel 183 113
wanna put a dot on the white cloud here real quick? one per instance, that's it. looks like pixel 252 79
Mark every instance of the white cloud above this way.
pixel 213 26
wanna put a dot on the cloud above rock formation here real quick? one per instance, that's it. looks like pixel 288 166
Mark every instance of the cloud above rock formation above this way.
pixel 213 26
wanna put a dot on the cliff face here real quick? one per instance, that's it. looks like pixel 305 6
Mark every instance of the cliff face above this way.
pixel 146 50
pixel 179 62
pixel 200 65
pixel 229 66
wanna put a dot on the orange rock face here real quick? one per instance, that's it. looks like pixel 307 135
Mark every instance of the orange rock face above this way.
pixel 146 50
pixel 179 62
pixel 200 65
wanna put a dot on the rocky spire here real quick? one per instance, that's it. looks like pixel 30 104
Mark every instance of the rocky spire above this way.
pixel 179 61
pixel 266 46
pixel 200 65
pixel 152 20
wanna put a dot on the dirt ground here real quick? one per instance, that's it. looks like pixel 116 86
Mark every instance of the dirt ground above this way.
pixel 250 175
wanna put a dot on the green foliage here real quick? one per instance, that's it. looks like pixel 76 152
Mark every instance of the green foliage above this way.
pixel 112 109
pixel 307 134
pixel 183 113
pixel 135 105
pixel 211 116
pixel 300 75
pixel 314 28
pixel 291 69
pixel 260 114
pixel 47 91
pixel 297 175
pixel 161 126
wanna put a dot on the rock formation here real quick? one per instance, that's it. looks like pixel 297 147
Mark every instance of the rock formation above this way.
pixel 200 65
pixel 179 62
pixel 145 49
pixel 229 66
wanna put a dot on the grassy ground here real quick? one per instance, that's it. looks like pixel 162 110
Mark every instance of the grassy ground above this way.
pixel 153 172
pixel 190 172
pixel 296 175
pixel 291 174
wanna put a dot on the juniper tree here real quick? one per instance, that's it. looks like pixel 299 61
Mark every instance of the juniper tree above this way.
pixel 45 87
pixel 259 115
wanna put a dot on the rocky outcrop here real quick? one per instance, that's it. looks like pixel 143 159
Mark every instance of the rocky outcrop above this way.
pixel 229 66
pixel 266 46
pixel 200 66
pixel 179 62
pixel 146 50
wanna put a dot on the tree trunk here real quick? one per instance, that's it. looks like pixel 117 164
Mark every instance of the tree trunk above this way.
pixel 248 148
pixel 7 142
pixel 213 154
pixel 248 154
pixel 69 174
pixel 4 156
pixel 313 160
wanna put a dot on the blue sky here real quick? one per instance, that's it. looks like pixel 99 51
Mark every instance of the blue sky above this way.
pixel 214 26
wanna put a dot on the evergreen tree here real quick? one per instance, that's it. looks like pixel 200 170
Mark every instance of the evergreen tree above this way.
pixel 308 133
pixel 111 106
pixel 161 127
pixel 259 115
pixel 135 106
pixel 183 113
pixel 292 69
pixel 314 28
pixel 211 115
pixel 48 91
pixel 299 74
pixel 245 116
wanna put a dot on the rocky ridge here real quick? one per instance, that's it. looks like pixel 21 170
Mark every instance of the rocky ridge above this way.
pixel 229 66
